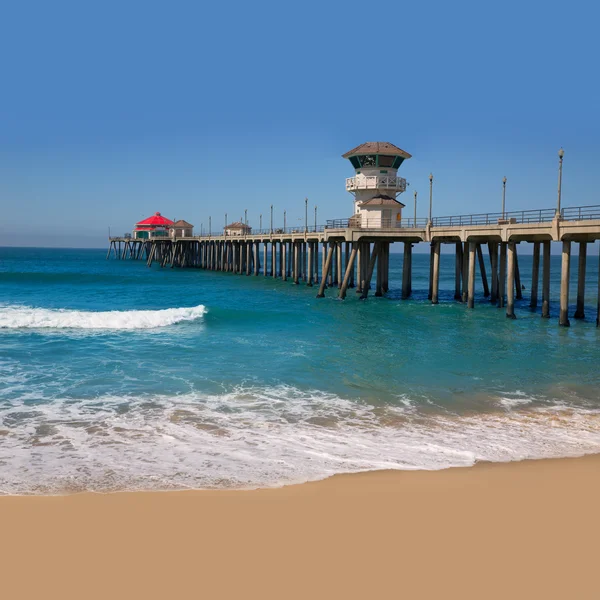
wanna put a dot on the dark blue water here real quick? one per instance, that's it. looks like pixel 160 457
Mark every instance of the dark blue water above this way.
pixel 116 376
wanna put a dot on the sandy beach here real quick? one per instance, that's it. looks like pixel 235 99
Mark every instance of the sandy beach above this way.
pixel 516 530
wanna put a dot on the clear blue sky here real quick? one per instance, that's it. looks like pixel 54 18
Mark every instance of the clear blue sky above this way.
pixel 113 110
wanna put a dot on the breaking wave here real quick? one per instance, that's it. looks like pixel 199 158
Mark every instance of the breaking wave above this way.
pixel 23 317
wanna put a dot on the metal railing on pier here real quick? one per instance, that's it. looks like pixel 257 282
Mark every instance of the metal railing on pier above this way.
pixel 522 216
pixel 580 213
pixel 375 223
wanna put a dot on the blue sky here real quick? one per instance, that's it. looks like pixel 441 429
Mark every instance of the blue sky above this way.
pixel 112 111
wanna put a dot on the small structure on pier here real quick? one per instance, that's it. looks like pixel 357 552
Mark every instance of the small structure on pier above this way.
pixel 182 229
pixel 237 229
pixel 152 227
pixel 376 184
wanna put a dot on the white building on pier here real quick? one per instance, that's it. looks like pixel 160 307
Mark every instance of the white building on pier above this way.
pixel 376 184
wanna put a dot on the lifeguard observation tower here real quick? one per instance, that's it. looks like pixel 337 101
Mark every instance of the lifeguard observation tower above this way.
pixel 376 184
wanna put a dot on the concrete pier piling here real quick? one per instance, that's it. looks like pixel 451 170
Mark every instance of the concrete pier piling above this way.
pixel 370 269
pixel 535 275
pixel 510 284
pixel 465 272
pixel 502 275
pixel 309 275
pixel 406 270
pixel 349 270
pixel 457 271
pixel 580 310
pixel 546 281
pixel 563 319
pixel 471 284
pixel 493 252
pixel 326 268
pixel 435 283
pixel 431 259
pixel 518 286
pixel 484 281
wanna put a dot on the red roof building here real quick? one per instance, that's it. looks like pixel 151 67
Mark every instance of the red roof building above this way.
pixel 154 226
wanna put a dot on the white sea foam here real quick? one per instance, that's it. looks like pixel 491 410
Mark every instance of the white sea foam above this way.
pixel 23 317
pixel 258 437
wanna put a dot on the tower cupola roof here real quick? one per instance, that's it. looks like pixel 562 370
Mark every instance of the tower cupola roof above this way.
pixel 377 148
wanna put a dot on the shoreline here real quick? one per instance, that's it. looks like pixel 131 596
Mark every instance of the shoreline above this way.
pixel 477 464
pixel 524 529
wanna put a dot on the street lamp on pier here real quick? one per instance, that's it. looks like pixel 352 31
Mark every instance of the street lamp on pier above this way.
pixel 561 153
pixel 415 219
pixel 271 218
pixel 430 196
pixel 503 198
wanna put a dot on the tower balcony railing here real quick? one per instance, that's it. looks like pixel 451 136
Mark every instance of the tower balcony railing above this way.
pixel 374 182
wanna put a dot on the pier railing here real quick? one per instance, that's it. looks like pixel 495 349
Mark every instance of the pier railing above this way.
pixel 375 223
pixel 581 213
pixel 522 216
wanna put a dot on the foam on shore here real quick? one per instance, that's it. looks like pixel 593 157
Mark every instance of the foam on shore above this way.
pixel 262 437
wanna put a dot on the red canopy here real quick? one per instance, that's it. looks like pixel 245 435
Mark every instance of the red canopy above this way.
pixel 156 219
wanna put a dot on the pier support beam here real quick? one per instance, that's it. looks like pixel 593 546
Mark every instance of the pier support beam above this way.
pixel 431 259
pixel 535 275
pixel 580 310
pixel 309 275
pixel 457 271
pixel 546 282
pixel 484 281
pixel 510 284
pixel 386 269
pixel 493 251
pixel 565 273
pixel 471 298
pixel 519 287
pixel 436 273
pixel 349 269
pixel 370 268
pixel 465 272
pixel 326 268
pixel 502 275
pixel 406 270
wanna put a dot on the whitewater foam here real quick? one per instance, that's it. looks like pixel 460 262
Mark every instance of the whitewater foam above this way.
pixel 24 317
pixel 260 437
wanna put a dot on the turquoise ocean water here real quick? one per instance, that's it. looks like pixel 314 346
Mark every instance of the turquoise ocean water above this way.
pixel 115 376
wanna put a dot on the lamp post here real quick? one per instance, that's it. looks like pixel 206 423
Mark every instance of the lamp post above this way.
pixel 415 219
pixel 305 215
pixel 561 153
pixel 284 220
pixel 201 229
pixel 260 227
pixel 503 197
pixel 430 196
pixel 209 226
pixel 225 230
pixel 315 217
pixel 271 218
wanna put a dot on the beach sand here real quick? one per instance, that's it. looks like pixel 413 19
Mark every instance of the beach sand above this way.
pixel 518 530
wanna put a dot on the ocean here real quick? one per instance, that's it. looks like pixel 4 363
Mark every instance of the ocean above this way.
pixel 114 376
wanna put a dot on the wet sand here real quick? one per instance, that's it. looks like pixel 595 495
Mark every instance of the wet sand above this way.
pixel 518 530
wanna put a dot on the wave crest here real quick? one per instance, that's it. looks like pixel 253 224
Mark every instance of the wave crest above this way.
pixel 24 317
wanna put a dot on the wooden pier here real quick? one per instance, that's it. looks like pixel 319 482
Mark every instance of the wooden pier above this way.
pixel 342 255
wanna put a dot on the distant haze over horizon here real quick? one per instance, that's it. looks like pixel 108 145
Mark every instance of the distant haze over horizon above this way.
pixel 116 111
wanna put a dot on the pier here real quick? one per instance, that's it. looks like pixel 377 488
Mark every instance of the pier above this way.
pixel 353 253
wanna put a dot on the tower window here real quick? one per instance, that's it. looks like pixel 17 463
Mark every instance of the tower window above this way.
pixel 386 161
pixel 369 160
